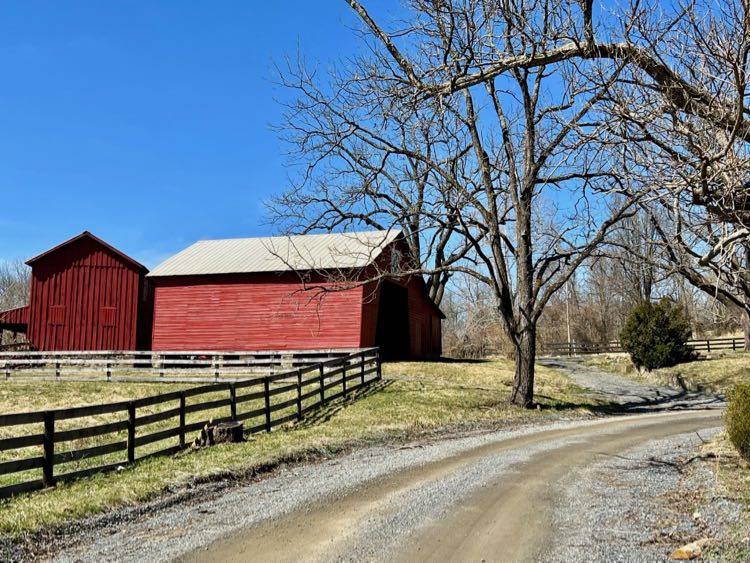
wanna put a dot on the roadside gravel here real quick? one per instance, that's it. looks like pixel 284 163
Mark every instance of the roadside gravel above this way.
pixel 641 505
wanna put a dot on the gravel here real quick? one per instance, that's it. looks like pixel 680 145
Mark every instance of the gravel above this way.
pixel 642 505
pixel 615 510
pixel 182 529
pixel 632 396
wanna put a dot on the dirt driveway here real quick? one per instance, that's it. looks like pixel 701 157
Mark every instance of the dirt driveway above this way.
pixel 491 496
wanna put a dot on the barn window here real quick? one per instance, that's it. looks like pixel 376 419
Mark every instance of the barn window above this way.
pixel 56 315
pixel 108 316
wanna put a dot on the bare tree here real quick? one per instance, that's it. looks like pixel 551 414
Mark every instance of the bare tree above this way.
pixel 696 149
pixel 14 286
pixel 519 166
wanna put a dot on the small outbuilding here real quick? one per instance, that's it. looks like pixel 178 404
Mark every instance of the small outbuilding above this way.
pixel 306 292
pixel 85 295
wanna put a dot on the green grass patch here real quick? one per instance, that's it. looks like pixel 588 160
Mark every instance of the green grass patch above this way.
pixel 413 397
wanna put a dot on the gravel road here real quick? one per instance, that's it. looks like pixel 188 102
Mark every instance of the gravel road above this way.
pixel 564 491
pixel 631 396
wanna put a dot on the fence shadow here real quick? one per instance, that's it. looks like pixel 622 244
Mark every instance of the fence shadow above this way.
pixel 324 413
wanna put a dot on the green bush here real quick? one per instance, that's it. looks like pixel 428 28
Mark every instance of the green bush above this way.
pixel 737 419
pixel 656 334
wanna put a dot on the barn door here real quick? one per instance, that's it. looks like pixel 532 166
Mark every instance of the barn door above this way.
pixel 393 322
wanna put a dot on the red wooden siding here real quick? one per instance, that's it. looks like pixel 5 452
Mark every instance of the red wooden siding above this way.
pixel 85 296
pixel 15 319
pixel 425 327
pixel 252 312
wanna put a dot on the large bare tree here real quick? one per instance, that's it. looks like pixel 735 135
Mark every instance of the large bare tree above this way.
pixel 694 153
pixel 514 174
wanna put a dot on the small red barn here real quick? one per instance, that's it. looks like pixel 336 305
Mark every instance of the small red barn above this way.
pixel 86 295
pixel 289 293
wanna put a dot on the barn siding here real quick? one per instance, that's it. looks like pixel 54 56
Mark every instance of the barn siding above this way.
pixel 72 288
pixel 370 304
pixel 424 323
pixel 253 312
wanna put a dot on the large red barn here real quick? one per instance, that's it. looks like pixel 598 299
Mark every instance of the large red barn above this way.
pixel 293 293
pixel 85 295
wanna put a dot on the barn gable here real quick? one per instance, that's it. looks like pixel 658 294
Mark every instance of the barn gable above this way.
pixel 87 295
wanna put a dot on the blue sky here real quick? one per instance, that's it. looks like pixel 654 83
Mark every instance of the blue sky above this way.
pixel 147 123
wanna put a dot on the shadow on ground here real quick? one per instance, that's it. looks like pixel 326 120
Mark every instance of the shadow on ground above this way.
pixel 615 394
pixel 325 413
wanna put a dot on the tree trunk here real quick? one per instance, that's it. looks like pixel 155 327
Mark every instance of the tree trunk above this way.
pixel 523 382
pixel 746 326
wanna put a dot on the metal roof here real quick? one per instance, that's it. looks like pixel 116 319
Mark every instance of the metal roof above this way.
pixel 277 254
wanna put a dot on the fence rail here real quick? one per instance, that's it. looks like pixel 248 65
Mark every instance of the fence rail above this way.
pixel 157 366
pixel 138 429
pixel 706 345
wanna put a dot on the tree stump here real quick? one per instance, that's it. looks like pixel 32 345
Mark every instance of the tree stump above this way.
pixel 228 432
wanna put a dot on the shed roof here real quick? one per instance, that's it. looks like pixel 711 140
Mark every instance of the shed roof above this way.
pixel 83 235
pixel 278 254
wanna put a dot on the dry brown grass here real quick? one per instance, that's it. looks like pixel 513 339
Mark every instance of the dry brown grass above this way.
pixel 717 372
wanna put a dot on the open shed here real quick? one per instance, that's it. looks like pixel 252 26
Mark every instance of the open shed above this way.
pixel 306 292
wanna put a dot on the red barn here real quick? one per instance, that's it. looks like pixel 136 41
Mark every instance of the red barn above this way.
pixel 86 295
pixel 293 293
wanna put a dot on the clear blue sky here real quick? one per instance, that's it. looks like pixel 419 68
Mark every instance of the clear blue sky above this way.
pixel 147 122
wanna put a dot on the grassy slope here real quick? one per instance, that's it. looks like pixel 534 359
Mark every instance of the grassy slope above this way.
pixel 718 372
pixel 413 397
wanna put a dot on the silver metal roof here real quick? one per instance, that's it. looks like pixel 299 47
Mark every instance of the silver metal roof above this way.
pixel 277 254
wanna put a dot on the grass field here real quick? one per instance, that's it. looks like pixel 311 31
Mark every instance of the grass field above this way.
pixel 718 372
pixel 412 397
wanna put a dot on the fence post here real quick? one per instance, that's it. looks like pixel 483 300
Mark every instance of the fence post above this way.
pixel 182 420
pixel 233 399
pixel 362 368
pixel 267 399
pixel 7 369
pixel 708 346
pixel 57 369
pixel 131 432
pixel 299 395
pixel 109 371
pixel 48 467
pixel 343 376
pixel 734 344
pixel 379 366
pixel 322 385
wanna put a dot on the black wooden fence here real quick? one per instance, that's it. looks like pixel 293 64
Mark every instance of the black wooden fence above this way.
pixel 706 345
pixel 262 403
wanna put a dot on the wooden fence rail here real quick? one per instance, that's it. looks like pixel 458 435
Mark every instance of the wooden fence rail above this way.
pixel 263 403
pixel 156 366
pixel 706 345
